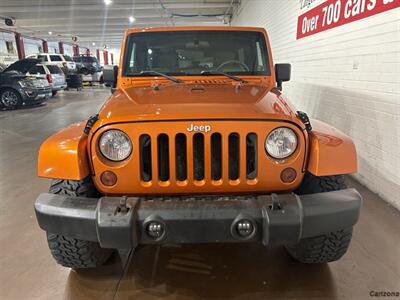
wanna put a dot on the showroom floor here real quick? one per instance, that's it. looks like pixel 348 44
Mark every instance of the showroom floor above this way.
pixel 27 270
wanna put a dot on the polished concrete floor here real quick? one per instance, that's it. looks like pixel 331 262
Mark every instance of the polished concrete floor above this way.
pixel 27 271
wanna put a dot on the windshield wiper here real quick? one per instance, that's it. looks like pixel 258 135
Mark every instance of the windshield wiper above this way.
pixel 206 73
pixel 149 72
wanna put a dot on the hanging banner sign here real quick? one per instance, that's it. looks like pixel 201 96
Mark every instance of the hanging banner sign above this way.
pixel 333 13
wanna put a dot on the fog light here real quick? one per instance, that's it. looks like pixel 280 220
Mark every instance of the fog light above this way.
pixel 288 175
pixel 244 228
pixel 108 178
pixel 155 230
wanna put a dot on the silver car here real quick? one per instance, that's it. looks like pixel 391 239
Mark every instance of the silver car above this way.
pixel 54 75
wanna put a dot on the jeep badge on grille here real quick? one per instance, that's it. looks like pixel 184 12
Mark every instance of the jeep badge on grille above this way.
pixel 201 128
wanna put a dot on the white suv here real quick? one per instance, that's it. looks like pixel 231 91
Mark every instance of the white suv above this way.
pixel 55 59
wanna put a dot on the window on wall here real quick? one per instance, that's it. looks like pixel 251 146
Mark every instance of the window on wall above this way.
pixel 10 48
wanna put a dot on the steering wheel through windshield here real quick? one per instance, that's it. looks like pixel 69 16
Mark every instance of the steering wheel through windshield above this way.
pixel 243 66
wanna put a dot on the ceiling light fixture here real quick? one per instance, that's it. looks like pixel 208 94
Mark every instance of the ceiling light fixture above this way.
pixel 50 33
pixel 93 44
pixel 131 19
pixel 107 2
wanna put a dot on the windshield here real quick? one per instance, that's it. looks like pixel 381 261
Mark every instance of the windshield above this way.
pixel 38 70
pixel 191 52
pixel 54 69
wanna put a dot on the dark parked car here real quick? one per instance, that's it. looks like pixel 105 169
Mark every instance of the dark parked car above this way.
pixel 17 88
pixel 87 64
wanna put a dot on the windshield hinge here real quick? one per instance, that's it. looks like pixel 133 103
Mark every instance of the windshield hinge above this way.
pixel 305 120
pixel 90 123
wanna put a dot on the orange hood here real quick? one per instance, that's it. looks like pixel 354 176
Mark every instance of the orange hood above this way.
pixel 195 101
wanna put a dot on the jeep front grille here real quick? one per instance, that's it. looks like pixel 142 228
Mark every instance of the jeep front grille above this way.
pixel 199 157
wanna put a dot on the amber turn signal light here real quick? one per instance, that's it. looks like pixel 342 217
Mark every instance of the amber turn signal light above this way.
pixel 108 178
pixel 288 175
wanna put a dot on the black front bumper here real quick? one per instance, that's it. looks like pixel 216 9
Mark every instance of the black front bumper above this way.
pixel 119 222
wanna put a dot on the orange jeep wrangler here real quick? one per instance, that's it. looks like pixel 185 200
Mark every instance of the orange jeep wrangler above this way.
pixel 197 145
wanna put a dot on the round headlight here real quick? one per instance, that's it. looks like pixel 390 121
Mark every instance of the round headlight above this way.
pixel 115 145
pixel 281 142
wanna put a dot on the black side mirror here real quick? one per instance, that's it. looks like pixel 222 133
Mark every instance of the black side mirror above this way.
pixel 110 75
pixel 282 73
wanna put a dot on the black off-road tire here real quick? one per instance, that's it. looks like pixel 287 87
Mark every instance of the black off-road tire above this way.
pixel 70 252
pixel 328 247
pixel 53 93
pixel 318 184
pixel 74 188
pixel 77 254
pixel 322 249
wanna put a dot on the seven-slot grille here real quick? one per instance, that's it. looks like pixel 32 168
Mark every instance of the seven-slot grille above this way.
pixel 197 157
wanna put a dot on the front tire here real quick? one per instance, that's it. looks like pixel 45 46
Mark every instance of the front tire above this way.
pixel 70 252
pixel 76 254
pixel 10 98
pixel 319 184
pixel 322 249
pixel 328 247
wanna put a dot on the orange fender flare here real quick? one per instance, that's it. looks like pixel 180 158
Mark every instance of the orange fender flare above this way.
pixel 331 151
pixel 64 154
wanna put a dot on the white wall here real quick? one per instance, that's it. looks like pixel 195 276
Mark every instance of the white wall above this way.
pixel 68 50
pixel 348 76
pixel 82 50
pixel 7 56
pixel 53 47
pixel 32 46
pixel 116 52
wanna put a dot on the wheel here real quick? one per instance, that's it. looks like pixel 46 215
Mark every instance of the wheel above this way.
pixel 54 93
pixel 10 98
pixel 70 252
pixel 76 254
pixel 318 184
pixel 323 248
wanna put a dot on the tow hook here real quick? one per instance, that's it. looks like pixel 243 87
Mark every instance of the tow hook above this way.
pixel 122 208
pixel 276 205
